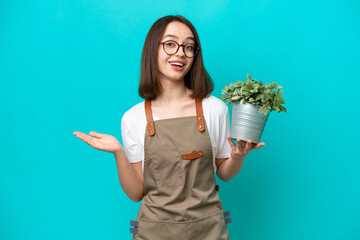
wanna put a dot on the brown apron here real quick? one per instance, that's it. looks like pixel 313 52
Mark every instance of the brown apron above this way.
pixel 180 199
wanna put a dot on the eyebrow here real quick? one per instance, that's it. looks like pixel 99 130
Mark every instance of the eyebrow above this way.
pixel 174 36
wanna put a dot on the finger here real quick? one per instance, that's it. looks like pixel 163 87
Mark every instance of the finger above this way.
pixel 259 145
pixel 93 142
pixel 243 143
pixel 232 145
pixel 86 138
pixel 248 146
pixel 76 133
pixel 95 134
pixel 239 145
pixel 80 135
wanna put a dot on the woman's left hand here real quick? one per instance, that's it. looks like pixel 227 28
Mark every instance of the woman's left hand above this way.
pixel 243 148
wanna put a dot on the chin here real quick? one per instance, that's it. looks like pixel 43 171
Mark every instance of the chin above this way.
pixel 175 77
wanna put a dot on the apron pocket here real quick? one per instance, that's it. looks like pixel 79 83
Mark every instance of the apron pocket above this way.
pixel 153 230
pixel 210 228
pixel 167 167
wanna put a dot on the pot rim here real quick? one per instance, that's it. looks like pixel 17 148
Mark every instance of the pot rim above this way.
pixel 255 105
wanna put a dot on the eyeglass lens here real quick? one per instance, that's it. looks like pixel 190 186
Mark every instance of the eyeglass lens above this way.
pixel 172 47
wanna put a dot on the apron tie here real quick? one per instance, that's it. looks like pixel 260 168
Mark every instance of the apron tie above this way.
pixel 135 228
pixel 227 214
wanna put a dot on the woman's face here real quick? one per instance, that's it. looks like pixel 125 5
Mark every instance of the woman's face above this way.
pixel 174 67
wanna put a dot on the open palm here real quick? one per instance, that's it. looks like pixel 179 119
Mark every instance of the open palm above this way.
pixel 242 148
pixel 100 141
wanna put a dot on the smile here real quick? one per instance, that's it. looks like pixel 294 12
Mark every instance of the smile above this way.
pixel 177 65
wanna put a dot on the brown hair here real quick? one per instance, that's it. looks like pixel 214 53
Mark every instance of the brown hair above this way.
pixel 197 79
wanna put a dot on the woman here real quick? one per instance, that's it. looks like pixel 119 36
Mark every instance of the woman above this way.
pixel 186 141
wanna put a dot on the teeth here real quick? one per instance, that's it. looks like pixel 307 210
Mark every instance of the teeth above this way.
pixel 177 64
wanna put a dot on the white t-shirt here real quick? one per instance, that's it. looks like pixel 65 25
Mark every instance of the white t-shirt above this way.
pixel 216 113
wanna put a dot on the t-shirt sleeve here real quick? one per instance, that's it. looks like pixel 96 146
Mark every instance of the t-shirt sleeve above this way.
pixel 224 148
pixel 131 147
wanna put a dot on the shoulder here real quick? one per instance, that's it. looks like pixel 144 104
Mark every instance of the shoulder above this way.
pixel 134 115
pixel 214 106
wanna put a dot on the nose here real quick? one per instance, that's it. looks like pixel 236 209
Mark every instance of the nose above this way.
pixel 181 51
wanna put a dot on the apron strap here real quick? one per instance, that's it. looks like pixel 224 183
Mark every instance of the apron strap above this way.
pixel 149 118
pixel 199 115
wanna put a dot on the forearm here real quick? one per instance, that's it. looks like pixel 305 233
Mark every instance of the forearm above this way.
pixel 129 181
pixel 230 168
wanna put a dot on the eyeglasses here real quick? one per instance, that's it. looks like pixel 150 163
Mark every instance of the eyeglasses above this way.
pixel 172 47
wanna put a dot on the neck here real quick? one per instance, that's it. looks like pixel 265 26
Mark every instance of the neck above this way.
pixel 173 92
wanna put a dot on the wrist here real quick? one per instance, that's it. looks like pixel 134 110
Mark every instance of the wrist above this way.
pixel 237 160
pixel 119 152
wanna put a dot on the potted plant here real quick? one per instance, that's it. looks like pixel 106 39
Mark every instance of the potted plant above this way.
pixel 252 102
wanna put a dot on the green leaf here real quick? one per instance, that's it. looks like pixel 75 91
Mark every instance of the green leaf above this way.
pixel 267 85
pixel 282 108
pixel 248 77
pixel 235 98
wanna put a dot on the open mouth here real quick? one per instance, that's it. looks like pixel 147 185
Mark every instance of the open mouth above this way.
pixel 177 65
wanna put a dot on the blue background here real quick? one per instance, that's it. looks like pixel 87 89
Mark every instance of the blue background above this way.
pixel 70 66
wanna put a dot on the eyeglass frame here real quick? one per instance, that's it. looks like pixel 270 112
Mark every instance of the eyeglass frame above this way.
pixel 179 45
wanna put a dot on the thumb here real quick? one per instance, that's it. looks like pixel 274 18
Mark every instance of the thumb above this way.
pixel 95 134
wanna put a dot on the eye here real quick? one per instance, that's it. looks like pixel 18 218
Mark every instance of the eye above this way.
pixel 189 47
pixel 170 44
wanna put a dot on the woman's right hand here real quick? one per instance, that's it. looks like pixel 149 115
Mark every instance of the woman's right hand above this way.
pixel 100 141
